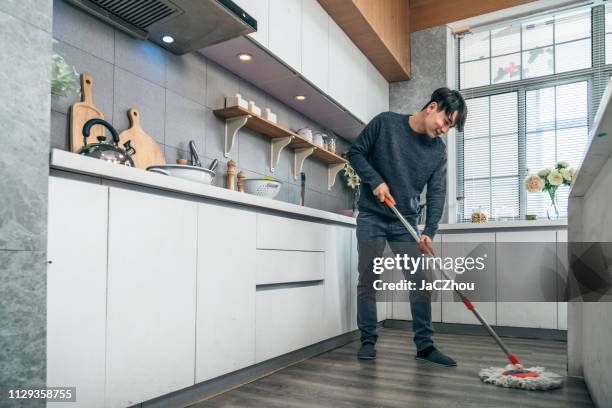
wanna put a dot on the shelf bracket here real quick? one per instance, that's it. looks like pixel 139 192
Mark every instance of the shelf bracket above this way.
pixel 299 156
pixel 277 145
pixel 332 171
pixel 232 126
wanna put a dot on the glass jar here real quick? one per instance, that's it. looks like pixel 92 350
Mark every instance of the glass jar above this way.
pixel 330 144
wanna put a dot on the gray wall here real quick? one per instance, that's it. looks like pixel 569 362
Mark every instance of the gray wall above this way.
pixel 25 47
pixel 428 66
pixel 176 97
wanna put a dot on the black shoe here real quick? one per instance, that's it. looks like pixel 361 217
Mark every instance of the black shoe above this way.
pixel 435 356
pixel 366 352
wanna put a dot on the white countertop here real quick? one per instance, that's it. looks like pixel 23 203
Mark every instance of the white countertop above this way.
pixel 75 163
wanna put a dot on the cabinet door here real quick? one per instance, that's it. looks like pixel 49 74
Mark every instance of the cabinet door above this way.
pixel 562 274
pixel 354 279
pixel 337 280
pixel 76 289
pixel 315 44
pixel 377 95
pixel 401 299
pixel 529 273
pixel 288 318
pixel 259 10
pixel 285 31
pixel 226 291
pixel 473 245
pixel 151 296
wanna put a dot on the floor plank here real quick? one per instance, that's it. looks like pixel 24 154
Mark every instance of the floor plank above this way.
pixel 396 379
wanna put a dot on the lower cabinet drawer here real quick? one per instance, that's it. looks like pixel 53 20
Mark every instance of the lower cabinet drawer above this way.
pixel 286 233
pixel 273 266
pixel 287 319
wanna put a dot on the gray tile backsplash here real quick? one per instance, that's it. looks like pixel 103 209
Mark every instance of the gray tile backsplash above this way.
pixel 176 96
pixel 83 31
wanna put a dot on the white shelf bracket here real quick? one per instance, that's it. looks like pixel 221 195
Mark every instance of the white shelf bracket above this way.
pixel 276 147
pixel 332 171
pixel 299 156
pixel 232 126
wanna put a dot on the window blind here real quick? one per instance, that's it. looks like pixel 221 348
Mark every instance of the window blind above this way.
pixel 532 87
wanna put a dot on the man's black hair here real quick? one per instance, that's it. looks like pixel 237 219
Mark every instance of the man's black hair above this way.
pixel 450 101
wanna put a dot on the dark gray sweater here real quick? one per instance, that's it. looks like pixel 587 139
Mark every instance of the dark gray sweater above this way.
pixel 388 150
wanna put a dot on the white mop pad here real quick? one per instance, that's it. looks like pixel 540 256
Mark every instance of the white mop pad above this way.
pixel 544 381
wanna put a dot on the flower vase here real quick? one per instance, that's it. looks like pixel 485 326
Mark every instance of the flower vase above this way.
pixel 552 212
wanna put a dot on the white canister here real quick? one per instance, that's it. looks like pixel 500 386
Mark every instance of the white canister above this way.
pixel 318 140
pixel 256 110
pixel 236 100
pixel 269 115
pixel 306 133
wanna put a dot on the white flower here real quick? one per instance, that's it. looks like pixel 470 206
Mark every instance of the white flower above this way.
pixel 534 183
pixel 555 178
pixel 353 182
pixel 544 172
pixel 567 174
pixel 563 164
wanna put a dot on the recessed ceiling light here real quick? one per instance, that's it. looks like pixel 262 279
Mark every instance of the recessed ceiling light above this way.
pixel 300 97
pixel 168 39
pixel 245 57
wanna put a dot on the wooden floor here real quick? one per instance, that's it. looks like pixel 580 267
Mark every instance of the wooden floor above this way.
pixel 395 379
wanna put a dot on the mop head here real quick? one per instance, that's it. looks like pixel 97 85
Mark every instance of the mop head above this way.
pixel 533 378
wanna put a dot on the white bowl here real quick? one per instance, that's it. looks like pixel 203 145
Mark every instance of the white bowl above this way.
pixel 193 173
pixel 262 187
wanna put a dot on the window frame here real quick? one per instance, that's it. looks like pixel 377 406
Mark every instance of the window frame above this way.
pixel 596 76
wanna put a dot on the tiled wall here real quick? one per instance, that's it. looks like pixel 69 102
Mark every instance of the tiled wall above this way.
pixel 25 53
pixel 176 96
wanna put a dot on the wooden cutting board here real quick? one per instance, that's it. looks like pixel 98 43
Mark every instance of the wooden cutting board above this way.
pixel 148 152
pixel 81 112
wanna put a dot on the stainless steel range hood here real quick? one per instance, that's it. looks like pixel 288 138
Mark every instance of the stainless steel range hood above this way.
pixel 192 24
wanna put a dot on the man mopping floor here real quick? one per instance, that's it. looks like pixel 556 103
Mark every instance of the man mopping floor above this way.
pixel 396 156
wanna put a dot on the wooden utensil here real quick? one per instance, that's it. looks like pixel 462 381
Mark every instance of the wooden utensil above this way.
pixel 148 152
pixel 81 112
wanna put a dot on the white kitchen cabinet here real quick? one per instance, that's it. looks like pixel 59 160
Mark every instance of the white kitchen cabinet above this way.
pixel 225 326
pixel 347 71
pixel 401 299
pixel 524 271
pixel 76 289
pixel 562 275
pixel 288 318
pixel 377 93
pixel 315 44
pixel 337 280
pixel 275 232
pixel 277 266
pixel 285 31
pixel 259 10
pixel 474 245
pixel 151 296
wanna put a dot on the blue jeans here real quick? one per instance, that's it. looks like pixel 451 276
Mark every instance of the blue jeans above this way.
pixel 373 233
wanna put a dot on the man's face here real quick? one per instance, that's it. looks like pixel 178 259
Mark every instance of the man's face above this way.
pixel 436 122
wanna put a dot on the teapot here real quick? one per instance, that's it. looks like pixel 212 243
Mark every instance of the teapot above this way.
pixel 110 152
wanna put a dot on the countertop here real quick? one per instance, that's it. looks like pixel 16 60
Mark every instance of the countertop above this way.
pixel 67 161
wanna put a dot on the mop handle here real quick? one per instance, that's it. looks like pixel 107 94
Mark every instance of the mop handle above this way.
pixel 470 306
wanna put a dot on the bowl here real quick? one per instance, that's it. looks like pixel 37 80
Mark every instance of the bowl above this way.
pixel 185 171
pixel 262 187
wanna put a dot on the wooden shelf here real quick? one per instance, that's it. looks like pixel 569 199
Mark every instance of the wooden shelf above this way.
pixel 236 117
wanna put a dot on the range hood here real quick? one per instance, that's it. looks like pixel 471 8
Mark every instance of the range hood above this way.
pixel 191 24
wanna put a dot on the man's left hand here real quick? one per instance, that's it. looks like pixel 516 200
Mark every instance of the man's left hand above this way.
pixel 424 244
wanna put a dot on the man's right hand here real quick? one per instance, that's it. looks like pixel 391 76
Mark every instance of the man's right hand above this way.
pixel 382 191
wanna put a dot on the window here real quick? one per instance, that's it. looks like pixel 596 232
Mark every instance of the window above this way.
pixel 532 88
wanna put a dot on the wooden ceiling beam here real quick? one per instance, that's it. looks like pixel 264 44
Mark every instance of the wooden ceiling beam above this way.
pixel 431 13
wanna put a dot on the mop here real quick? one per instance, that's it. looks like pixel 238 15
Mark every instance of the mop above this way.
pixel 513 375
